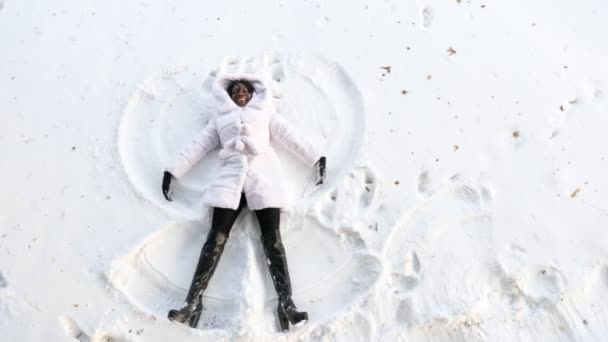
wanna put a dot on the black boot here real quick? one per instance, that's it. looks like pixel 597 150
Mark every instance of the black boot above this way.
pixel 277 264
pixel 207 263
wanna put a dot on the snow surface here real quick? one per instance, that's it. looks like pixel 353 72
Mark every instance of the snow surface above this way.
pixel 466 147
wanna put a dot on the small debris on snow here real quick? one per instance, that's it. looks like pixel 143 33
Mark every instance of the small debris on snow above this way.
pixel 516 134
pixel 561 108
pixel 404 92
pixel 451 51
pixel 456 147
pixel 572 195
pixel 396 182
pixel 387 68
pixel 428 77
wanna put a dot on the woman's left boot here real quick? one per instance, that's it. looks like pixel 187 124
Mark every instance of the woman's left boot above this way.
pixel 277 264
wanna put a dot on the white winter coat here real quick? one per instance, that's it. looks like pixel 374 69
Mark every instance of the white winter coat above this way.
pixel 247 161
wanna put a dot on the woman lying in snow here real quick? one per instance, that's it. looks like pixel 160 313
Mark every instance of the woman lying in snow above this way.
pixel 249 175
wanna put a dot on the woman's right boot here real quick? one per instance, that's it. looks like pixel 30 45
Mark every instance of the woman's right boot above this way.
pixel 207 263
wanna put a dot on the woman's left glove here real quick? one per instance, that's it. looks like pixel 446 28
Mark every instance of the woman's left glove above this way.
pixel 167 177
pixel 320 165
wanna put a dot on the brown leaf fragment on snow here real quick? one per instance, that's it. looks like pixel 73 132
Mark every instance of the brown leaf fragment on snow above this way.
pixel 516 134
pixel 572 195
pixel 387 68
pixel 451 51
pixel 404 92
pixel 456 147
pixel 428 77
pixel 396 182
pixel 561 108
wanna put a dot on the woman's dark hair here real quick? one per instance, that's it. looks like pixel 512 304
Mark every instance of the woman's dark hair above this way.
pixel 234 83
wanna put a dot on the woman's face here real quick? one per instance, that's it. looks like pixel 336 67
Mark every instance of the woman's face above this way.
pixel 240 94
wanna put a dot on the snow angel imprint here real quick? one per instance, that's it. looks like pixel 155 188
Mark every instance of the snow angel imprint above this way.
pixel 249 175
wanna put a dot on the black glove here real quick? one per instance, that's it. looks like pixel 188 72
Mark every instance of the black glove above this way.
pixel 167 177
pixel 320 165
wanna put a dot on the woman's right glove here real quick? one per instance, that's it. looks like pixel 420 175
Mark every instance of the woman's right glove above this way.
pixel 167 177
pixel 320 165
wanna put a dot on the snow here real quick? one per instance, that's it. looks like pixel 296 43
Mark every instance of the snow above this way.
pixel 465 144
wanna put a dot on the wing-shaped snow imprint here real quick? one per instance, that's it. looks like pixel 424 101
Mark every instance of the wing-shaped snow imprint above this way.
pixel 330 265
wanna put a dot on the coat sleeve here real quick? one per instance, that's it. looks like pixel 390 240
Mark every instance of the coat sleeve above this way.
pixel 203 143
pixel 283 133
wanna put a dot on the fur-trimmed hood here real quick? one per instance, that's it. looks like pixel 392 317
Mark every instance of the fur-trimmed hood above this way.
pixel 259 98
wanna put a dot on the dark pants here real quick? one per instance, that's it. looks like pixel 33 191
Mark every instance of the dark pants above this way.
pixel 224 218
pixel 221 224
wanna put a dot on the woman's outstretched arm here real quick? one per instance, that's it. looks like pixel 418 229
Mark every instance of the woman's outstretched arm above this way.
pixel 203 143
pixel 282 132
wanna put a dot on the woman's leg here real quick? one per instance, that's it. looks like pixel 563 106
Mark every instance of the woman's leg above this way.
pixel 270 222
pixel 221 224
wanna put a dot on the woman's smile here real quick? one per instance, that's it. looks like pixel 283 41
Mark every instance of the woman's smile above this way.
pixel 240 94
